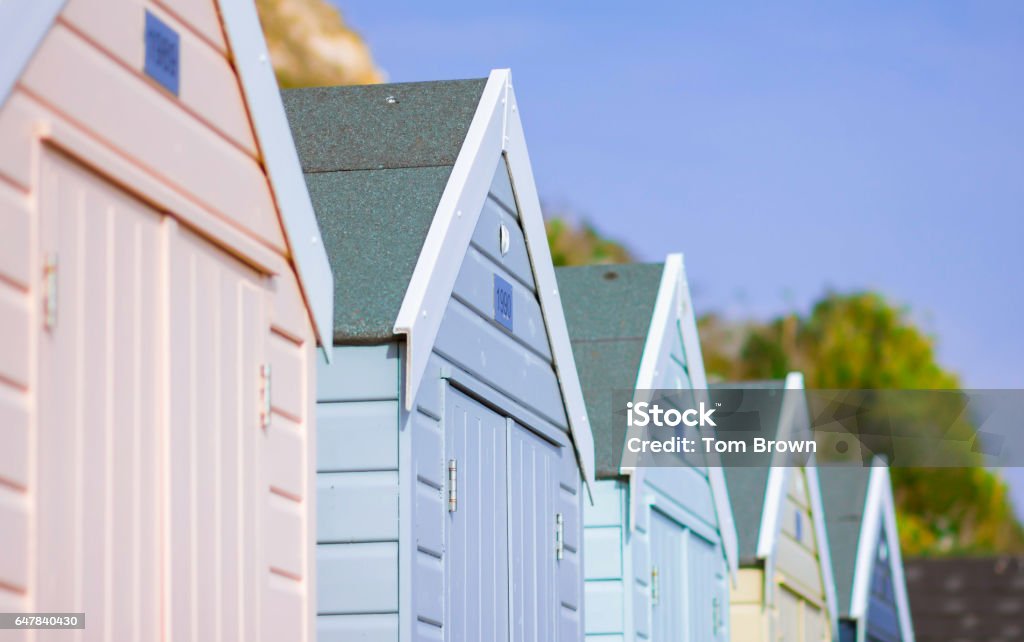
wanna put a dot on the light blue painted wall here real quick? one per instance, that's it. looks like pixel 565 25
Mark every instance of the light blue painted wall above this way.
pixel 357 522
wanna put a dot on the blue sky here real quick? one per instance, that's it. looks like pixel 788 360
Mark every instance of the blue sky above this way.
pixel 784 149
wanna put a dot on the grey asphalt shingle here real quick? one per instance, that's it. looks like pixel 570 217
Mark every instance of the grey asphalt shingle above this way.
pixel 377 159
pixel 608 311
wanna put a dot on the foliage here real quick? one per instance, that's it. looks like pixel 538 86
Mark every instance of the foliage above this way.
pixel 582 245
pixel 861 341
pixel 310 45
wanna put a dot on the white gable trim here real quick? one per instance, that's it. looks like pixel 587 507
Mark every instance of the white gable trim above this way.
pixel 824 552
pixel 281 160
pixel 496 129
pixel 699 381
pixel 879 513
pixel 774 494
pixel 23 25
pixel 673 302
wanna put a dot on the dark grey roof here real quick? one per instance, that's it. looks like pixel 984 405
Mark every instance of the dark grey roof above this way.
pixel 967 600
pixel 746 474
pixel 377 159
pixel 844 491
pixel 608 311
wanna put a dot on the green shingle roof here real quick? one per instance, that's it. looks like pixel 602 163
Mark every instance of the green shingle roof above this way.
pixel 844 492
pixel 608 311
pixel 746 475
pixel 377 159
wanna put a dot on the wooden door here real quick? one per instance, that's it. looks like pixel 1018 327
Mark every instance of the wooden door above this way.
pixel 99 465
pixel 476 533
pixel 669 605
pixel 150 442
pixel 532 486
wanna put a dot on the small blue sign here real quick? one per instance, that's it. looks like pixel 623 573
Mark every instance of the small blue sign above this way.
pixel 799 527
pixel 503 302
pixel 162 53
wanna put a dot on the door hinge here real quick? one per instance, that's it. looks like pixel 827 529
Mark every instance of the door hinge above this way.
pixel 655 587
pixel 559 536
pixel 50 292
pixel 265 391
pixel 453 474
pixel 716 616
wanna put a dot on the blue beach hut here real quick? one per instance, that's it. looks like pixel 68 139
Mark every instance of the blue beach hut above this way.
pixel 865 546
pixel 660 545
pixel 453 441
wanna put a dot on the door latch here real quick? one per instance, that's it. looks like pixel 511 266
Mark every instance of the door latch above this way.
pixel 265 384
pixel 559 536
pixel 453 479
pixel 50 292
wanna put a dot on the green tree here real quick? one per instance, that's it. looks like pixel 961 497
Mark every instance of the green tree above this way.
pixel 861 341
pixel 582 244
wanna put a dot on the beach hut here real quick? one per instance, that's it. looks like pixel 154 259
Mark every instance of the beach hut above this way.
pixel 865 549
pixel 162 287
pixel 659 541
pixel 453 437
pixel 785 590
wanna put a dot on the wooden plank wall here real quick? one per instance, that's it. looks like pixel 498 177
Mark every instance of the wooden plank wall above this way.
pixel 194 159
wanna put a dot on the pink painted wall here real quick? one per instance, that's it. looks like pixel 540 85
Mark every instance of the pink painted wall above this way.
pixel 138 480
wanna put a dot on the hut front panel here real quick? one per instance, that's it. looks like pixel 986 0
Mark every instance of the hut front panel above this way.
pixel 510 368
pixel 177 500
pixel 357 531
pixel 882 622
pixel 85 94
pixel 797 562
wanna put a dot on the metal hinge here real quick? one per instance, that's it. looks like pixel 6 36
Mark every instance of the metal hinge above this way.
pixel 559 536
pixel 453 497
pixel 50 292
pixel 655 588
pixel 265 384
pixel 716 616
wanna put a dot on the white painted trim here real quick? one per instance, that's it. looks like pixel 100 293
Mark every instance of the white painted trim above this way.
pixel 495 130
pixel 23 26
pixel 699 383
pixel 684 518
pixel 532 218
pixel 673 302
pixel 879 513
pixel 281 161
pixel 775 490
pixel 824 551
pixel 433 278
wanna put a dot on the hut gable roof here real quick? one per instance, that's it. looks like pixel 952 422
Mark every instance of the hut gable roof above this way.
pixel 608 309
pixel 399 175
pixel 377 159
pixel 620 318
pixel 844 490
pixel 860 510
